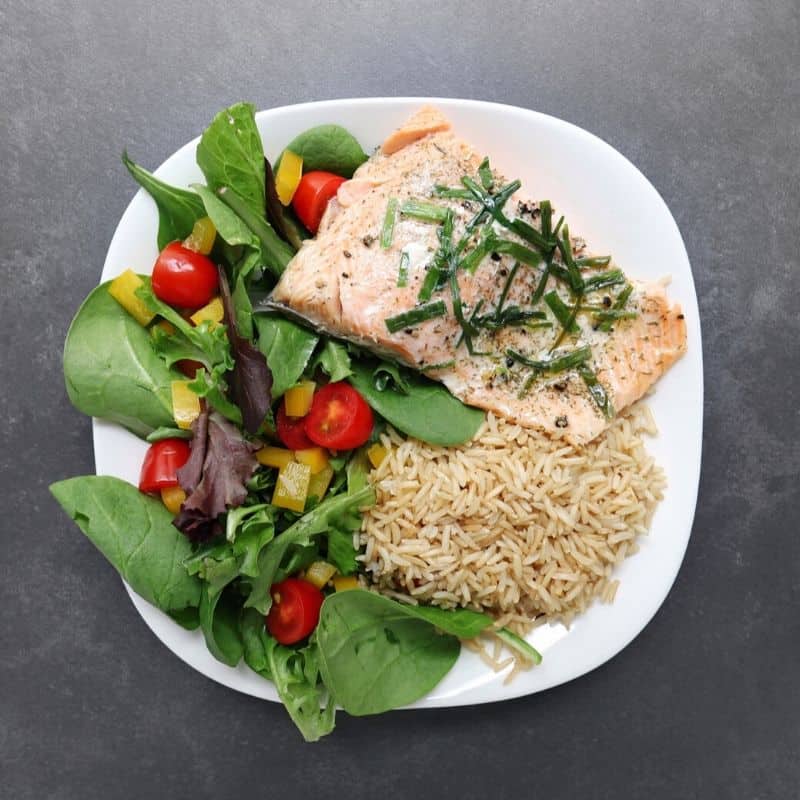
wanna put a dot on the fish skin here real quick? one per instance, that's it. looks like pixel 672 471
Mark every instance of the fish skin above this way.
pixel 344 283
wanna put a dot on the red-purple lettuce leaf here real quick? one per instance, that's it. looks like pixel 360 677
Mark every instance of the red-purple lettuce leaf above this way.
pixel 251 378
pixel 228 462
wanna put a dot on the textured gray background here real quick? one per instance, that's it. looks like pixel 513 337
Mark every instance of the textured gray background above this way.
pixel 704 98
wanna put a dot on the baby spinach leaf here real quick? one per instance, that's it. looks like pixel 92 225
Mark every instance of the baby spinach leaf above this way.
pixel 135 533
pixel 295 673
pixel 334 360
pixel 230 154
pixel 341 511
pixel 111 370
pixel 287 348
pixel 276 253
pixel 188 618
pixel 328 147
pixel 426 411
pixel 228 223
pixel 462 622
pixel 374 655
pixel 168 432
pixel 178 209
pixel 219 621
pixel 390 376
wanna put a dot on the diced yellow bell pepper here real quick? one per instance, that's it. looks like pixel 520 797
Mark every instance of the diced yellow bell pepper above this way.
pixel 123 290
pixel 320 482
pixel 271 456
pixel 376 453
pixel 315 457
pixel 212 312
pixel 173 498
pixel 163 325
pixel 291 487
pixel 287 179
pixel 298 399
pixel 202 237
pixel 185 404
pixel 319 573
pixel 344 582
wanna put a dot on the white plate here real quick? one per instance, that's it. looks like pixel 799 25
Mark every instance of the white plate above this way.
pixel 610 203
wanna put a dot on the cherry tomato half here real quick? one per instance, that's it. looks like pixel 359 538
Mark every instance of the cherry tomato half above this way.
pixel 161 464
pixel 291 431
pixel 312 195
pixel 189 367
pixel 295 610
pixel 339 419
pixel 184 278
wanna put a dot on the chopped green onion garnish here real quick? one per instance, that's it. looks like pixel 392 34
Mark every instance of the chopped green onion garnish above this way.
pixel 546 211
pixel 473 259
pixel 515 250
pixel 558 364
pixel 429 284
pixel 542 285
pixel 519 644
pixel 440 365
pixel 452 193
pixel 402 273
pixel 415 315
pixel 473 317
pixel 613 314
pixel 485 174
pixel 619 304
pixel 511 315
pixel 604 280
pixel 565 246
pixel 597 391
pixel 529 234
pixel 594 261
pixel 427 212
pixel 387 232
pixel 506 288
pixel 526 387
pixel 562 312
pixel 458 310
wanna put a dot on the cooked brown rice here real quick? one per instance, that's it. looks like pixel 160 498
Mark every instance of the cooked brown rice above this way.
pixel 515 524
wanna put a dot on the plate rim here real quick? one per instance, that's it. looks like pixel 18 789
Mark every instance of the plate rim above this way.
pixel 150 613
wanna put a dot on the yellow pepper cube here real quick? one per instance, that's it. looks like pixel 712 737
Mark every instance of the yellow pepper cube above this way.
pixel 298 399
pixel 271 456
pixel 185 404
pixel 288 176
pixel 376 453
pixel 315 457
pixel 202 237
pixel 343 583
pixel 320 482
pixel 212 312
pixel 123 290
pixel 291 487
pixel 173 498
pixel 319 573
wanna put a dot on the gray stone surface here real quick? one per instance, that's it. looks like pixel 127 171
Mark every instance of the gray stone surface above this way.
pixel 704 98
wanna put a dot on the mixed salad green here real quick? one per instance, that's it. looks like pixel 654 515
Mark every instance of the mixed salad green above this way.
pixel 262 433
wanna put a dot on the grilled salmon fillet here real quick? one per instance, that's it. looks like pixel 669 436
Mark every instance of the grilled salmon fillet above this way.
pixel 496 343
